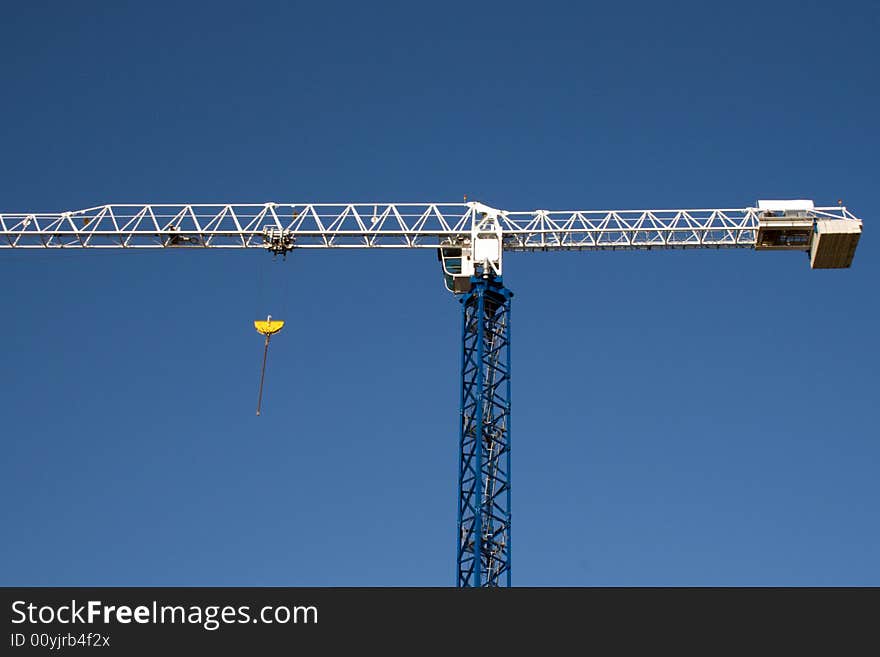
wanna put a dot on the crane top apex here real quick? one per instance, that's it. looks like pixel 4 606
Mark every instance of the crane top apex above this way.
pixel 486 210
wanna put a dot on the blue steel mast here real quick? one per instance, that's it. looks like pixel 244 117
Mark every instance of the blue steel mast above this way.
pixel 484 456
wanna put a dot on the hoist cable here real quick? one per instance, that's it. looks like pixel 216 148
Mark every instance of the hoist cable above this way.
pixel 262 375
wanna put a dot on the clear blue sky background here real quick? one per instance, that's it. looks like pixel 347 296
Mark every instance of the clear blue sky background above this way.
pixel 680 418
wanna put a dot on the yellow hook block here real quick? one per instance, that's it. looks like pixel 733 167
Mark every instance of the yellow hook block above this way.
pixel 268 326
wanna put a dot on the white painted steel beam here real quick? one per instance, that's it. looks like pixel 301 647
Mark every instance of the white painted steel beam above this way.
pixel 384 225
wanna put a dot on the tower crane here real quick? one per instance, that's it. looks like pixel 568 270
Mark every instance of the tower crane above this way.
pixel 469 239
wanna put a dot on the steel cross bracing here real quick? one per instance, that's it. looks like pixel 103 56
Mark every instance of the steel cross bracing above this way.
pixel 483 553
pixel 285 226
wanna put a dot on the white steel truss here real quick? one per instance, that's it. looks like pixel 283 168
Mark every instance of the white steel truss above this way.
pixel 287 226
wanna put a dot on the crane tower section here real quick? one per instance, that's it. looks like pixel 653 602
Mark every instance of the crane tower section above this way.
pixel 483 553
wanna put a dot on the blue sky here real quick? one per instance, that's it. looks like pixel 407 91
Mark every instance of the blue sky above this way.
pixel 680 418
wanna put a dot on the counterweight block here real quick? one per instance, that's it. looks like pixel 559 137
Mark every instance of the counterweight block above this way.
pixel 798 226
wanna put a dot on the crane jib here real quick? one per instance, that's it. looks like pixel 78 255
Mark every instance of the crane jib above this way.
pixel 475 234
